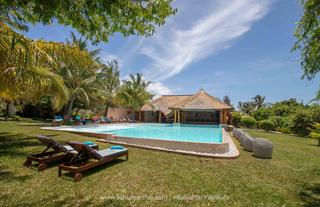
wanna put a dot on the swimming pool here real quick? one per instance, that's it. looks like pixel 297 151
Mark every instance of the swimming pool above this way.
pixel 174 132
pixel 199 140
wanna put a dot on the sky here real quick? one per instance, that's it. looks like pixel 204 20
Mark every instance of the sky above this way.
pixel 238 48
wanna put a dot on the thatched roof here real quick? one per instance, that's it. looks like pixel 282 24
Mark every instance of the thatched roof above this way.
pixel 163 103
pixel 199 101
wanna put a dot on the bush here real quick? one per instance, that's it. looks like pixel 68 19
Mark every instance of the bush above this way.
pixel 301 122
pixel 283 130
pixel 248 121
pixel 266 125
pixel 16 118
pixel 236 119
pixel 261 114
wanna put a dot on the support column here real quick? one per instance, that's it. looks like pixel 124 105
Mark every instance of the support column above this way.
pixel 220 117
pixel 175 116
pixel 223 117
pixel 159 116
pixel 179 116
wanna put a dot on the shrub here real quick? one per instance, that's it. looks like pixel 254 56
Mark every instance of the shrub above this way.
pixel 236 119
pixel 301 122
pixel 283 130
pixel 248 121
pixel 261 114
pixel 16 118
pixel 278 121
pixel 266 125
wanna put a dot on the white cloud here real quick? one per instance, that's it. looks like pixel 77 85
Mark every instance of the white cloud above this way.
pixel 268 64
pixel 180 43
pixel 159 89
pixel 219 73
pixel 105 57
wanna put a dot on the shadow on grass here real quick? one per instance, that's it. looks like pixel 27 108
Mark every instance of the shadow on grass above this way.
pixel 70 176
pixel 8 176
pixel 310 195
pixel 35 124
pixel 13 144
pixel 56 201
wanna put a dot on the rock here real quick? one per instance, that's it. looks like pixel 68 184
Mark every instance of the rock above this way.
pixel 247 142
pixel 262 148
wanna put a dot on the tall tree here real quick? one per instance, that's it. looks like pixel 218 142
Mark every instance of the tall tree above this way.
pixel 133 92
pixel 82 44
pixel 258 101
pixel 25 66
pixel 308 39
pixel 246 107
pixel 94 19
pixel 108 83
pixel 227 100
pixel 79 72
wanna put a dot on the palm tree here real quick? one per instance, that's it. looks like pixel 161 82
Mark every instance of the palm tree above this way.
pixel 80 72
pixel 82 45
pixel 246 107
pixel 227 100
pixel 80 82
pixel 133 92
pixel 258 101
pixel 25 66
pixel 108 83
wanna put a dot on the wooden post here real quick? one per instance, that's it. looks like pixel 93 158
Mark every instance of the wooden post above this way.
pixel 179 116
pixel 175 115
pixel 159 116
pixel 182 116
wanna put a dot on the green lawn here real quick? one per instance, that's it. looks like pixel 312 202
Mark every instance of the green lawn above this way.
pixel 291 178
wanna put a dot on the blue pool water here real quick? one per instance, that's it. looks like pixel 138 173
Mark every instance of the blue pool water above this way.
pixel 175 132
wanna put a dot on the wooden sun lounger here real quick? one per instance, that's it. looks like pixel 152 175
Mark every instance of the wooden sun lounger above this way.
pixel 60 153
pixel 89 158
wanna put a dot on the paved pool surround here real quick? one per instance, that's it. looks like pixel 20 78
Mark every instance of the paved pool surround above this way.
pixel 224 149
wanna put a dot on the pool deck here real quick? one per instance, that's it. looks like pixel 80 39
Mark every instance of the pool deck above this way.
pixel 225 149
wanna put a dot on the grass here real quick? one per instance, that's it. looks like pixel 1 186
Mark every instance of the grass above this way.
pixel 291 178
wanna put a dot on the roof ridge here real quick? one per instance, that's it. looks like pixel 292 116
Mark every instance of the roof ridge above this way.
pixel 177 95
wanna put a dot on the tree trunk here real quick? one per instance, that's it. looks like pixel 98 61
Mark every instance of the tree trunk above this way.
pixel 70 106
pixel 139 115
pixel 106 110
pixel 7 110
pixel 77 111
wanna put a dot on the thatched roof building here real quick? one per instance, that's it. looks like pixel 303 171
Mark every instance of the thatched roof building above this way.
pixel 200 107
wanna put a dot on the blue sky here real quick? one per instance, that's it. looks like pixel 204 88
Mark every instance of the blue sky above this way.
pixel 238 48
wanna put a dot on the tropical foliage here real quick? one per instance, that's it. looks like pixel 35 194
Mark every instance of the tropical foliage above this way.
pixel 109 83
pixel 266 125
pixel 248 121
pixel 25 64
pixel 133 92
pixel 96 20
pixel 287 116
pixel 62 76
pixel 315 132
pixel 307 34
pixel 227 100
pixel 68 75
